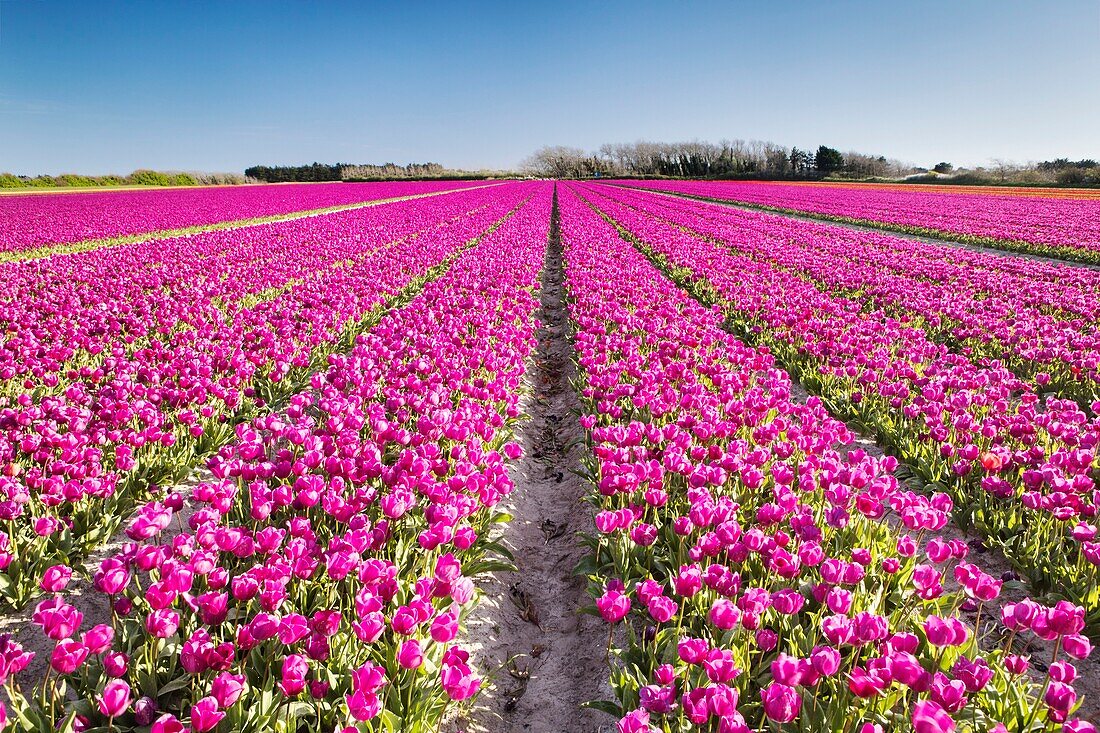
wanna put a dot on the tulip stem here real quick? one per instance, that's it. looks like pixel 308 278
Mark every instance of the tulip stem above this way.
pixel 45 686
pixel 1046 686
pixel 978 628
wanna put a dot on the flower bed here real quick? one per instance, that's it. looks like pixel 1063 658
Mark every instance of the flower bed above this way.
pixel 322 578
pixel 124 386
pixel 1040 319
pixel 761 574
pixel 1021 470
pixel 37 220
pixel 1058 227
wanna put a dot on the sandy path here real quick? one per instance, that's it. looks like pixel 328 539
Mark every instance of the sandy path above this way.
pixel 542 658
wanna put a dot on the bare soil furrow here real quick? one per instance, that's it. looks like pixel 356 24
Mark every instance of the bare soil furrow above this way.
pixel 542 657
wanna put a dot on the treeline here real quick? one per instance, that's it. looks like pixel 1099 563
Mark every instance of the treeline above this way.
pixel 390 171
pixel 695 159
pixel 766 160
pixel 343 172
pixel 299 173
pixel 137 178
pixel 1057 172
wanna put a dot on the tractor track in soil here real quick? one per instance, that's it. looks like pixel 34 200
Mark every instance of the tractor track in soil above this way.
pixel 542 657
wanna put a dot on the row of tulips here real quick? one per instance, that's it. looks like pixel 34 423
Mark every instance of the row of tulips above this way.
pixel 65 313
pixel 1021 469
pixel 135 362
pixel 36 220
pixel 761 574
pixel 1066 228
pixel 321 578
pixel 1040 319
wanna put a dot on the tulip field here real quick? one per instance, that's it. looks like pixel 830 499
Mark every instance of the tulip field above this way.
pixel 263 449
pixel 30 222
pixel 1053 222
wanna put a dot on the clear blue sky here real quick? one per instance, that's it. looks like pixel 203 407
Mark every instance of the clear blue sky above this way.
pixel 101 87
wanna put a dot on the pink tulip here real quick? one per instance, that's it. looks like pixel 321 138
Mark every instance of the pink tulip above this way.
pixel 636 721
pixel 162 624
pixel 1061 697
pixel 57 619
pixel 168 723
pixel 115 664
pixel 1076 646
pixel 111 577
pixel 409 656
pixel 781 703
pixel 928 717
pixel 227 689
pixel 67 656
pixel 99 638
pixel 455 675
pixel 295 671
pixel 205 715
pixel 724 614
pixel 1066 618
pixel 364 705
pixel 613 606
pixel 115 698
pixel 56 578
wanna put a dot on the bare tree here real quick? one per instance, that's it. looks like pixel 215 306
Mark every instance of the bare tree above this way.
pixel 1004 168
pixel 560 161
pixel 555 161
pixel 776 160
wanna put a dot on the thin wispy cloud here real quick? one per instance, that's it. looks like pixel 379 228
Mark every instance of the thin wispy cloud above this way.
pixel 13 106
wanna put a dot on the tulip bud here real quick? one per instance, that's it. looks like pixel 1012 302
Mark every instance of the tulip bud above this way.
pixel 144 710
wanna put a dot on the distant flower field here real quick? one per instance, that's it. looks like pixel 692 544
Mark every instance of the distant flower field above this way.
pixel 39 220
pixel 1059 223
pixel 261 477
